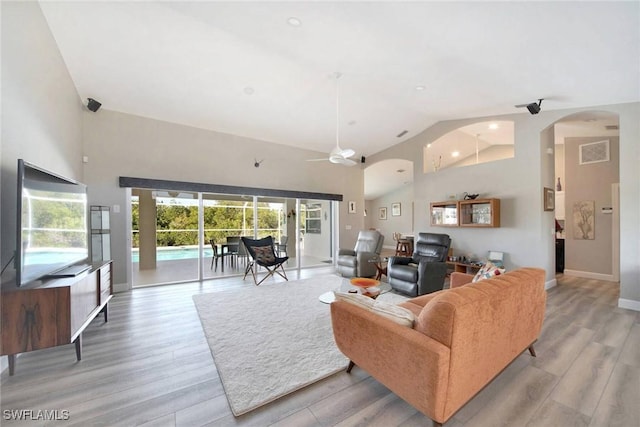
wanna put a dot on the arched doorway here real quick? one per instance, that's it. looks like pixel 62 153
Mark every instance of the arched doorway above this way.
pixel 586 183
pixel 388 193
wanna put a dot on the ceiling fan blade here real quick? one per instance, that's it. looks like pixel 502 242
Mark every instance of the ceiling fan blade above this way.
pixel 520 105
pixel 318 160
pixel 347 152
pixel 344 162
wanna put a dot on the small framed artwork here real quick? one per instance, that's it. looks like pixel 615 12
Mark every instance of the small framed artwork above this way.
pixel 395 209
pixel 549 199
pixel 352 207
pixel 382 213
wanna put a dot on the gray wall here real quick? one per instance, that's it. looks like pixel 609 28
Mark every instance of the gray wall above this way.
pixel 41 110
pixel 120 144
pixel 526 234
pixel 590 182
pixel 393 224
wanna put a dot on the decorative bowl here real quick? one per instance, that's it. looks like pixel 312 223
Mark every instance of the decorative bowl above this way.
pixel 364 282
pixel 371 292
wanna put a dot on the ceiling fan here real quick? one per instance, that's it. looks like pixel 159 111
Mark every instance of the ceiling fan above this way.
pixel 338 155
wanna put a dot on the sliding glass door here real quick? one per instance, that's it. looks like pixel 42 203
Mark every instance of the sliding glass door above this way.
pixel 167 240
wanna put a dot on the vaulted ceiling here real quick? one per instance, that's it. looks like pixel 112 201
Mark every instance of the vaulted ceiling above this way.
pixel 246 68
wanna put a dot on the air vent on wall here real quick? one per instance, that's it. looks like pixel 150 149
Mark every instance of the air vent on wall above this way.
pixel 612 127
pixel 594 152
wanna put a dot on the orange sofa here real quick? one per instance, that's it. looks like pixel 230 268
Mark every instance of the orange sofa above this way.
pixel 461 339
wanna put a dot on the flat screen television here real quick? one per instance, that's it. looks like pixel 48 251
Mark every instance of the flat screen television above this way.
pixel 52 226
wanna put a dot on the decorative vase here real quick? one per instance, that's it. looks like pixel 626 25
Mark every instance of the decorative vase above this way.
pixel 558 185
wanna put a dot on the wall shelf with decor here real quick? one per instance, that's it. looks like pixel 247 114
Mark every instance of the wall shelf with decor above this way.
pixel 466 213
pixel 480 213
pixel 444 214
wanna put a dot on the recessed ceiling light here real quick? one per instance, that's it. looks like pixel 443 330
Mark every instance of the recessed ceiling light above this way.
pixel 248 90
pixel 493 126
pixel 455 153
pixel 352 122
pixel 420 87
pixel 428 145
pixel 294 22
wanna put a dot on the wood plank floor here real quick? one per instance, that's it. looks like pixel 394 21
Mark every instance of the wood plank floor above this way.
pixel 150 365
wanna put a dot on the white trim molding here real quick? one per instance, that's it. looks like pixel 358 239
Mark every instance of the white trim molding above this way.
pixel 550 284
pixel 590 275
pixel 629 304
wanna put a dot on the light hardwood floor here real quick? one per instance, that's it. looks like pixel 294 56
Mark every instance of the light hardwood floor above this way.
pixel 150 365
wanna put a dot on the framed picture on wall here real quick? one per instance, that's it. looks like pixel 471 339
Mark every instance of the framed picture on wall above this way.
pixel 395 209
pixel 352 207
pixel 549 198
pixel 382 213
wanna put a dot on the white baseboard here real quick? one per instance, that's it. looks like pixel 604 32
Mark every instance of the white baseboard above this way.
pixel 590 275
pixel 629 304
pixel 550 284
pixel 120 287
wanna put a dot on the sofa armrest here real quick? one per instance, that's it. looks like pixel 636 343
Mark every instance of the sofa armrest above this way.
pixel 346 252
pixel 399 260
pixel 409 363
pixel 459 279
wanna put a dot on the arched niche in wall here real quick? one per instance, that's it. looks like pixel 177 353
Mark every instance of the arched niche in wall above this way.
pixel 472 144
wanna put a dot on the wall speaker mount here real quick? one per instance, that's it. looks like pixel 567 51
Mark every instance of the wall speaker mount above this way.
pixel 93 105
pixel 533 107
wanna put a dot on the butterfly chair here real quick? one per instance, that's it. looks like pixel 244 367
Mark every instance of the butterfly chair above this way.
pixel 263 255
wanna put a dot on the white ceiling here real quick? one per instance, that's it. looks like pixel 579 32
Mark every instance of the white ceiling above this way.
pixel 239 67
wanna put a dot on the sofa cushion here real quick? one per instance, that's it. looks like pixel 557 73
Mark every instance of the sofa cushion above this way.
pixel 406 273
pixel 355 299
pixel 488 271
pixel 264 254
pixel 395 313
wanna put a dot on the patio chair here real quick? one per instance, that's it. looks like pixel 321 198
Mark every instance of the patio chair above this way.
pixel 214 258
pixel 263 255
pixel 281 247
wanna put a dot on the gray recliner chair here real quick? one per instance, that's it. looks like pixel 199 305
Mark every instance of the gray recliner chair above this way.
pixel 424 272
pixel 359 261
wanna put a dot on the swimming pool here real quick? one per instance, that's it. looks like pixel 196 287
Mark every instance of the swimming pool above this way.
pixel 173 253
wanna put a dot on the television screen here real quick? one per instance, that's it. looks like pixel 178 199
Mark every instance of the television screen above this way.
pixel 52 223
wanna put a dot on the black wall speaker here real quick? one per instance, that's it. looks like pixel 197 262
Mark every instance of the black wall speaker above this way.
pixel 362 159
pixel 533 108
pixel 93 105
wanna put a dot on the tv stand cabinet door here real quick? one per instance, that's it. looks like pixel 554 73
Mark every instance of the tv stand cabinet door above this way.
pixel 31 319
pixel 84 300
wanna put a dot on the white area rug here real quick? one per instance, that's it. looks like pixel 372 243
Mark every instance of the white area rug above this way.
pixel 270 340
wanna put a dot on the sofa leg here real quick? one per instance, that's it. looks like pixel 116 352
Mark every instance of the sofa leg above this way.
pixel 350 367
pixel 532 350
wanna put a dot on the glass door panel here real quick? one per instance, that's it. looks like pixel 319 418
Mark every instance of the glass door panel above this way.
pixel 316 228
pixel 164 236
pixel 226 219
